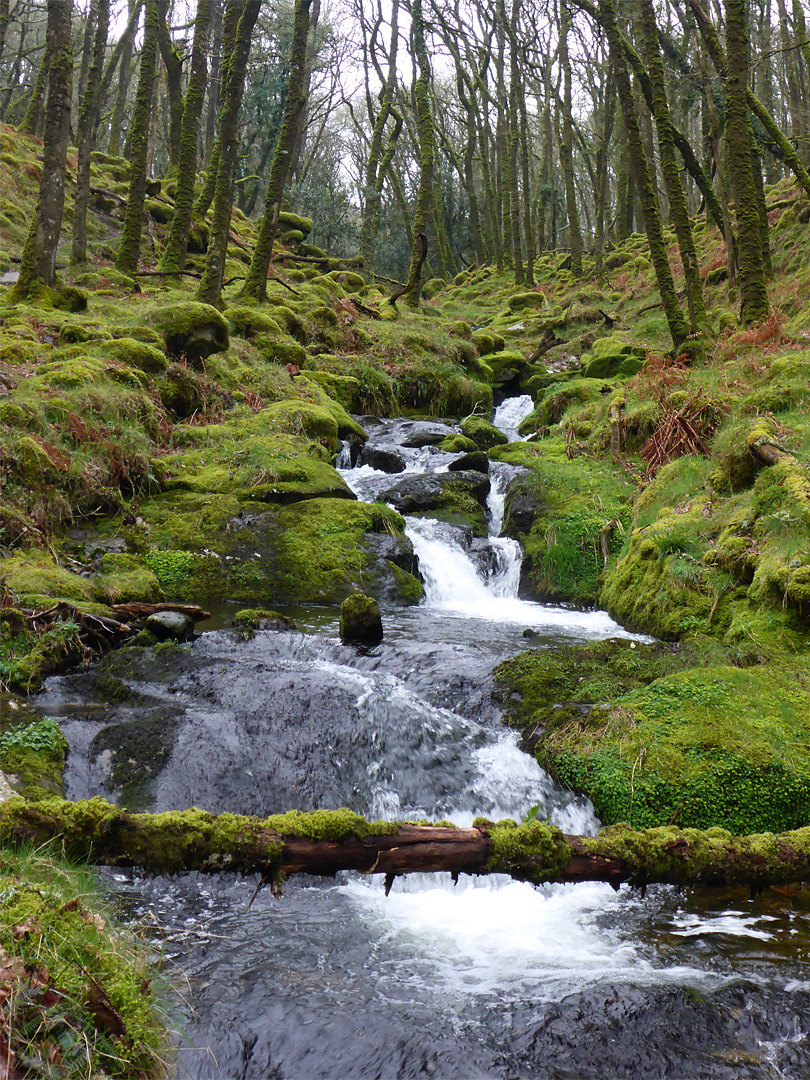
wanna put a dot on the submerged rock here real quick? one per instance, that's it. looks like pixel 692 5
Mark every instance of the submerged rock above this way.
pixel 360 620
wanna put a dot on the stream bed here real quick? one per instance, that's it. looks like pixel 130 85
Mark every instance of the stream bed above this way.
pixel 487 978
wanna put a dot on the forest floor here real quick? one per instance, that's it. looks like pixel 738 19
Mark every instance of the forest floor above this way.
pixel 137 466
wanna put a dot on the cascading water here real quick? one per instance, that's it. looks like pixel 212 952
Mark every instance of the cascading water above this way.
pixel 489 978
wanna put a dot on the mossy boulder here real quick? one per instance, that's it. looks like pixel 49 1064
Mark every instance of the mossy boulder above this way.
pixel 611 357
pixel 219 547
pixel 458 498
pixel 288 220
pixel 192 330
pixel 138 354
pixel 125 578
pixel 253 619
pixel 360 620
pixel 344 389
pixel 506 365
pixel 477 460
pixel 482 433
pixel 526 301
pixel 457 444
pixel 245 321
pixel 279 349
pixel 569 516
pixel 432 287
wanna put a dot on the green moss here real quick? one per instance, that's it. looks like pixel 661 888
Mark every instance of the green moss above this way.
pixel 716 746
pixel 482 433
pixel 101 1018
pixel 246 322
pixel 568 513
pixel 344 389
pixel 457 444
pixel 280 350
pixel 192 329
pixel 33 757
pixel 288 220
pixel 126 578
pixel 529 852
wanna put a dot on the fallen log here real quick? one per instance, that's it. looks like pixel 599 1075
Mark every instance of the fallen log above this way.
pixel 326 841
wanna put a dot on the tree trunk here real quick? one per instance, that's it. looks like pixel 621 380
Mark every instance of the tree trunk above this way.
pixel 214 83
pixel 4 19
pixel 174 253
pixel 566 148
pixel 511 192
pixel 751 277
pixel 374 172
pixel 173 66
pixel 256 280
pixel 424 119
pixel 230 24
pixel 211 284
pixel 644 180
pixel 130 245
pixel 14 74
pixel 29 125
pixel 88 117
pixel 122 56
pixel 326 841
pixel 38 263
pixel 672 177
pixel 525 168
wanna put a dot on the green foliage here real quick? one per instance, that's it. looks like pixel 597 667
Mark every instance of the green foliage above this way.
pixel 82 986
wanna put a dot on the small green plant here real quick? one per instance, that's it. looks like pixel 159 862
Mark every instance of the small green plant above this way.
pixel 42 737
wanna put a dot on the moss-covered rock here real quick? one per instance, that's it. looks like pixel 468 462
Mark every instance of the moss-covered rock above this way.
pixel 360 620
pixel 245 321
pixel 138 354
pixel 482 433
pixel 344 389
pixel 192 330
pixel 704 747
pixel 288 220
pixel 569 517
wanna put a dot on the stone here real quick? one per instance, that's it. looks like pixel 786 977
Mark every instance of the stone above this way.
pixel 192 330
pixel 383 458
pixel 360 620
pixel 477 461
pixel 170 625
pixel 482 433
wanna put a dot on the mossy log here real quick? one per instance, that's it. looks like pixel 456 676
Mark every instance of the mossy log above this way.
pixel 327 841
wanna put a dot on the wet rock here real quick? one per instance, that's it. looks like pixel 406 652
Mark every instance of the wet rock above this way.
pixel 436 491
pixel 477 461
pixel 360 621
pixel 262 619
pixel 424 434
pixel 170 625
pixel 384 458
pixel 522 505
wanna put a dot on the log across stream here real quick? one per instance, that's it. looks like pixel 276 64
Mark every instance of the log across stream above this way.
pixel 489 977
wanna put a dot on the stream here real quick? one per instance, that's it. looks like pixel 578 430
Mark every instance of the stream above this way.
pixel 487 978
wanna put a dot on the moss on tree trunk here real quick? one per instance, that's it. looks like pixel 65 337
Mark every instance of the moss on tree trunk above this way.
pixel 88 116
pixel 174 253
pixel 256 280
pixel 130 246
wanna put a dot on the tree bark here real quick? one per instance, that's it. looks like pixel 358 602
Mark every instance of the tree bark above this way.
pixel 38 263
pixel 121 57
pixel 130 245
pixel 256 279
pixel 211 284
pixel 672 177
pixel 326 841
pixel 424 120
pixel 173 66
pixel 566 148
pixel 374 171
pixel 751 277
pixel 88 117
pixel 230 24
pixel 174 253
pixel 29 125
pixel 214 82
pixel 644 180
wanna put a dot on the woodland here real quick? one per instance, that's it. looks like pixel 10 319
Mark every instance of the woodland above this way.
pixel 235 235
